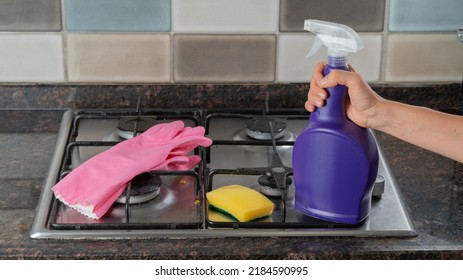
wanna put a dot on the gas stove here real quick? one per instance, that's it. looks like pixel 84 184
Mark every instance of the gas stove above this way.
pixel 250 147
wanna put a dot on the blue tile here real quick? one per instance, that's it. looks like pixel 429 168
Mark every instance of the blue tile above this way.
pixel 425 15
pixel 118 15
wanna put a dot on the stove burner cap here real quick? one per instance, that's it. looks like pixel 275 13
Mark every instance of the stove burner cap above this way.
pixel 126 125
pixel 144 188
pixel 269 187
pixel 259 127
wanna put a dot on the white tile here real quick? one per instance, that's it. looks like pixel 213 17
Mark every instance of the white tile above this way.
pixel 31 58
pixel 424 58
pixel 245 16
pixel 368 60
pixel 293 66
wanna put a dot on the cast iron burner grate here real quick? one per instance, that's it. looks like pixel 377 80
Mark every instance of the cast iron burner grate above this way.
pixel 128 127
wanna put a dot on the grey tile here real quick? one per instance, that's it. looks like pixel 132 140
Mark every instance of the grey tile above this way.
pixel 361 15
pixel 30 15
pixel 224 58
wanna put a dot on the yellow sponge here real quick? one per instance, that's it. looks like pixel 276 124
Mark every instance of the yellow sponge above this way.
pixel 241 202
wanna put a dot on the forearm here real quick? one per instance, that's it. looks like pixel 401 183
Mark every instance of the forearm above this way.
pixel 432 130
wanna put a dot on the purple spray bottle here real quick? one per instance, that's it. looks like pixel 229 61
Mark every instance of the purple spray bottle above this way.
pixel 335 161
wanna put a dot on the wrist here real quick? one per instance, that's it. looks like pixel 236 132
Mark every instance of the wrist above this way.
pixel 377 114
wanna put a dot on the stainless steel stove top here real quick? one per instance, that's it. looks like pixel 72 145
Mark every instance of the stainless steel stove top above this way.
pixel 179 208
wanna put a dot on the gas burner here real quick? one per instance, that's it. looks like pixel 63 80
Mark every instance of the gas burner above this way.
pixel 127 125
pixel 259 128
pixel 242 135
pixel 269 187
pixel 145 187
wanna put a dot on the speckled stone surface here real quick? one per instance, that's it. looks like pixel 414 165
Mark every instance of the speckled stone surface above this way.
pixel 432 185
pixel 443 96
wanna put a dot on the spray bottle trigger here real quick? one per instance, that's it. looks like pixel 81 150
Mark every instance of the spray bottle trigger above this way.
pixel 317 43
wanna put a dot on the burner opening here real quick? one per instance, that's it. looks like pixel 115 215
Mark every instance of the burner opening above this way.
pixel 259 128
pixel 145 187
pixel 269 187
pixel 127 125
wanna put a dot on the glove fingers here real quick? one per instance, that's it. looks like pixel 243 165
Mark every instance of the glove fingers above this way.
pixel 161 133
pixel 188 139
pixel 151 146
pixel 186 145
pixel 179 163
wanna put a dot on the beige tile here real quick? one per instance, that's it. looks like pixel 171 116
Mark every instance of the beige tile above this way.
pixel 224 58
pixel 424 58
pixel 118 57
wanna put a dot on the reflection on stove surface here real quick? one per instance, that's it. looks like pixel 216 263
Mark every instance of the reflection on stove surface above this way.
pixel 176 204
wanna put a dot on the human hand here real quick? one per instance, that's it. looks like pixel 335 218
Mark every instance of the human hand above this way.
pixel 361 106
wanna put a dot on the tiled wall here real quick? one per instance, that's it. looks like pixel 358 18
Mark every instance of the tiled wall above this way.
pixel 221 41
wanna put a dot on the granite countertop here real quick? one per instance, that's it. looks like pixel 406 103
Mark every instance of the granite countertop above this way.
pixel 431 184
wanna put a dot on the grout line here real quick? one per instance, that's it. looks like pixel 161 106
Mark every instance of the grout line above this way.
pixel 172 81
pixel 384 44
pixel 65 42
pixel 277 43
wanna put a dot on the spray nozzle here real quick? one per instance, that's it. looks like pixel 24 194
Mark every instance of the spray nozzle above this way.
pixel 338 38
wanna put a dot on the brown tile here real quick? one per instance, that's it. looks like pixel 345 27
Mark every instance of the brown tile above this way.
pixel 224 58
pixel 119 57
pixel 360 15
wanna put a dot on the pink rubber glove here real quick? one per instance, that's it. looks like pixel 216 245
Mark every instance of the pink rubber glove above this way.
pixel 94 186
